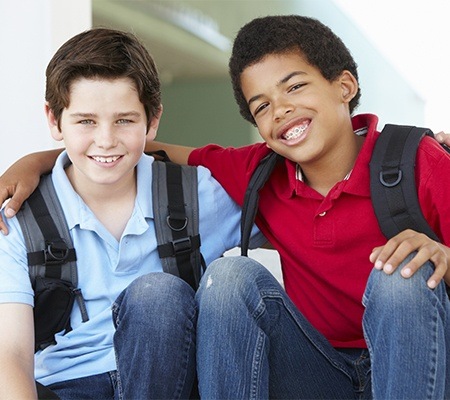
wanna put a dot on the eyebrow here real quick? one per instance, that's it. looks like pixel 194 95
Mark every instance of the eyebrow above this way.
pixel 127 114
pixel 82 115
pixel 280 82
pixel 116 115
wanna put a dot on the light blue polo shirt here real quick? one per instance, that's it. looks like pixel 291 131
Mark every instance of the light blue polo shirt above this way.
pixel 106 267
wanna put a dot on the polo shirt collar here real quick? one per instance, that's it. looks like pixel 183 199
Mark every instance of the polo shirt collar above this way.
pixel 359 181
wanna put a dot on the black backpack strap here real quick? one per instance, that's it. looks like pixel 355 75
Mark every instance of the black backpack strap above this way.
pixel 392 181
pixel 50 251
pixel 251 198
pixel 175 208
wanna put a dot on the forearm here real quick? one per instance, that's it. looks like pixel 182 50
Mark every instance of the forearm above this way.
pixel 16 352
pixel 40 162
pixel 21 178
pixel 16 381
pixel 178 154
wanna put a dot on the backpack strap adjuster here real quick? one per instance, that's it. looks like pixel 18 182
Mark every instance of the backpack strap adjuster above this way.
pixel 180 246
pixel 55 252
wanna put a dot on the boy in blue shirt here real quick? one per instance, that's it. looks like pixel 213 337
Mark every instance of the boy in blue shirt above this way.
pixel 103 100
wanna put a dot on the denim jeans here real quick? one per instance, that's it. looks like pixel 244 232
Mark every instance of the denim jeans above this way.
pixel 155 319
pixel 253 343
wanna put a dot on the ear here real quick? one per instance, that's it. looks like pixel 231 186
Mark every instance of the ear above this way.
pixel 53 124
pixel 154 124
pixel 349 86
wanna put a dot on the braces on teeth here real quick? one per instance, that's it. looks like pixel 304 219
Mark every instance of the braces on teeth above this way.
pixel 296 132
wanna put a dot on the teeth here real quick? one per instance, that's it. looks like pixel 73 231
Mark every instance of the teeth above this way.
pixel 105 159
pixel 295 133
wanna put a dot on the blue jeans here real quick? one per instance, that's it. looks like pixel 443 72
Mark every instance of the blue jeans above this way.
pixel 253 343
pixel 155 319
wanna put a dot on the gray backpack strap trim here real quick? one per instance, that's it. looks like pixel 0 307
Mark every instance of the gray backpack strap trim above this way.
pixel 51 261
pixel 177 220
pixel 37 241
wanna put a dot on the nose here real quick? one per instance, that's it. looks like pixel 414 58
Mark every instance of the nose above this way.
pixel 105 137
pixel 282 108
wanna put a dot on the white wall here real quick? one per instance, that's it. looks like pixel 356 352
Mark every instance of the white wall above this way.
pixel 30 32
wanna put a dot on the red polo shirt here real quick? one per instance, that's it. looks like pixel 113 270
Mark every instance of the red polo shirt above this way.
pixel 325 242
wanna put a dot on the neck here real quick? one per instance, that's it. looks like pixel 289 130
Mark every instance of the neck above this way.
pixel 112 204
pixel 326 172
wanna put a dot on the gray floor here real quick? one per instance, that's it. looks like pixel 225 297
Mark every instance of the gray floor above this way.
pixel 269 258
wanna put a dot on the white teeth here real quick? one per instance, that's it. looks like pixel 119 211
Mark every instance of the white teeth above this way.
pixel 105 159
pixel 295 133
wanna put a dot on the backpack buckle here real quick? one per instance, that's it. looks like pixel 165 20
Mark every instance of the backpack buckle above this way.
pixel 55 252
pixel 181 246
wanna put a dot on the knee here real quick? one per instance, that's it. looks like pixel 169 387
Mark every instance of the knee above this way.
pixel 394 290
pixel 150 296
pixel 228 279
pixel 231 273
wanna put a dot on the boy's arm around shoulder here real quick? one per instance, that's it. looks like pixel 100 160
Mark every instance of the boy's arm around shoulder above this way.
pixel 17 352
pixel 178 154
pixel 20 180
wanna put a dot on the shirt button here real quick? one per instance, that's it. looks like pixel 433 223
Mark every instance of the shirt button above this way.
pixel 322 214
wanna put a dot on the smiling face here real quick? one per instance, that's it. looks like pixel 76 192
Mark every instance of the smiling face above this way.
pixel 300 114
pixel 104 130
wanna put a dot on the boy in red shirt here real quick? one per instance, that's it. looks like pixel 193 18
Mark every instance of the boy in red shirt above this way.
pixel 346 330
pixel 324 244
pixel 342 328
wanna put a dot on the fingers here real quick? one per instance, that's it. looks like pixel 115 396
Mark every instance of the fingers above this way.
pixel 14 205
pixel 443 138
pixel 3 226
pixel 16 199
pixel 390 256
pixel 440 136
pixel 5 194
pixel 9 212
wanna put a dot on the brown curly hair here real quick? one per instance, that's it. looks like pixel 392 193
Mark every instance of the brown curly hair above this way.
pixel 283 34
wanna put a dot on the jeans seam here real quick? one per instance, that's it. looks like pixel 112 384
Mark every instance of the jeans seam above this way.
pixel 119 381
pixel 433 360
pixel 362 377
pixel 115 316
pixel 187 345
pixel 256 374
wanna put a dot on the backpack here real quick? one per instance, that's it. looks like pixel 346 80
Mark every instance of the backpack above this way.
pixel 392 184
pixel 52 258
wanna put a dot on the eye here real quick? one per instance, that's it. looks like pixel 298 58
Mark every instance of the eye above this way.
pixel 296 87
pixel 124 121
pixel 86 122
pixel 260 108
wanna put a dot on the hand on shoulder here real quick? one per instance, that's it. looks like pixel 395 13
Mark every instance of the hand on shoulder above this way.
pixel 443 138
